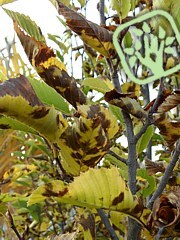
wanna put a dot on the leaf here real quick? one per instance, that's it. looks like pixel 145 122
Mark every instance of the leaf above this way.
pixel 85 143
pixel 170 130
pixel 170 102
pixel 27 24
pixel 51 70
pixel 48 95
pixel 10 123
pixel 19 101
pixel 144 139
pixel 148 179
pixel 132 61
pixel 126 102
pixel 166 214
pixel 92 34
pixel 96 188
pixel 169 50
pixel 99 84
pixel 162 33
pixel 127 40
pixel 3 2
pixel 122 7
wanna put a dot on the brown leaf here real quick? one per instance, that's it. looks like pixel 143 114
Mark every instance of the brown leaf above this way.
pixel 126 101
pixel 153 167
pixel 92 34
pixel 166 214
pixel 168 100
pixel 51 70
pixel 170 130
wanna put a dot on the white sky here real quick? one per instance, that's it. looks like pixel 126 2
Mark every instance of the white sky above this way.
pixel 43 13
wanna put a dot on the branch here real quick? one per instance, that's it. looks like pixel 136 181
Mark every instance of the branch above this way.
pixel 166 176
pixel 144 128
pixel 9 216
pixel 107 224
pixel 118 157
pixel 101 12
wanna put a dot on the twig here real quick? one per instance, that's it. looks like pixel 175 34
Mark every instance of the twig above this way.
pixel 13 226
pixel 101 12
pixel 107 224
pixel 166 175
pixel 144 127
pixel 118 157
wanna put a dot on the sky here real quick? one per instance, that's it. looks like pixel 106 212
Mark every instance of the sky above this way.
pixel 44 14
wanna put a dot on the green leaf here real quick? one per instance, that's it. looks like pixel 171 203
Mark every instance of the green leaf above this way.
pixel 48 95
pixel 151 182
pixel 82 2
pixel 127 40
pixel 3 2
pixel 117 112
pixel 10 123
pixel 138 45
pixel 99 84
pixel 144 139
pixel 122 7
pixel 96 188
pixel 27 24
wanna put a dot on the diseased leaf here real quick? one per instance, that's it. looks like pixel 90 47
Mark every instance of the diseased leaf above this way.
pixel 51 70
pixel 92 34
pixel 96 188
pixel 27 24
pixel 153 167
pixel 48 95
pixel 170 102
pixel 10 123
pixel 99 84
pixel 166 214
pixel 85 143
pixel 122 7
pixel 126 102
pixel 170 130
pixel 87 222
pixel 17 94
pixel 150 180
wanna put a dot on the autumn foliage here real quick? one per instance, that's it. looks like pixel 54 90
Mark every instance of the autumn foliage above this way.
pixel 88 158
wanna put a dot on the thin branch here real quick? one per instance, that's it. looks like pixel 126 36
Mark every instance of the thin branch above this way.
pixel 118 157
pixel 10 218
pixel 107 224
pixel 101 12
pixel 144 127
pixel 166 176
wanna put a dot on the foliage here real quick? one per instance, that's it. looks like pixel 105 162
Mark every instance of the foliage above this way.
pixel 75 153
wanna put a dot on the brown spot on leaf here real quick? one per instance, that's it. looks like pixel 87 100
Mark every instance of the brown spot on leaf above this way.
pixel 40 113
pixel 4 126
pixel 20 86
pixel 118 199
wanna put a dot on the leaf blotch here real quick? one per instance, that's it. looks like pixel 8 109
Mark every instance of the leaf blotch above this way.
pixel 118 199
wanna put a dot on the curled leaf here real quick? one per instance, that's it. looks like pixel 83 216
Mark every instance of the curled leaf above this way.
pixel 166 214
pixel 92 34
pixel 170 130
pixel 51 70
pixel 127 102
pixel 17 94
pixel 85 143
